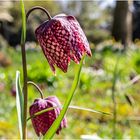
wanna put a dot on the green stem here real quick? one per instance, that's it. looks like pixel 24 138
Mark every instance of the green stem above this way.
pixel 24 89
pixel 24 67
pixel 24 64
pixel 40 8
pixel 37 87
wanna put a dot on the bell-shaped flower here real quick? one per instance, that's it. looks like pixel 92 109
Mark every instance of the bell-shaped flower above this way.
pixel 62 40
pixel 43 122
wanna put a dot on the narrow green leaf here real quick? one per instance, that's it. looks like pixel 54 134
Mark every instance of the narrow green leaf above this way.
pixel 89 110
pixel 19 104
pixel 70 107
pixel 55 125
pixel 42 111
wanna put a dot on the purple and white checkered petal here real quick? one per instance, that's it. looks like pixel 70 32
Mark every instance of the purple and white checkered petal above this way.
pixel 62 39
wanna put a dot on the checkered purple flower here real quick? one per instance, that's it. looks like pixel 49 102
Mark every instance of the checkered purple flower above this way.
pixel 43 122
pixel 62 40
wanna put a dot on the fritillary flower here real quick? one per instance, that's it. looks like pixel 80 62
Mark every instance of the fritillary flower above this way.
pixel 62 40
pixel 43 122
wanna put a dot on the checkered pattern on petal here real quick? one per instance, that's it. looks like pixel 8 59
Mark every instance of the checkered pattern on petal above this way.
pixel 62 40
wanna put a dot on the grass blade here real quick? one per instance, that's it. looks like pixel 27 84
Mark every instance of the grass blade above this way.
pixel 114 82
pixel 55 125
pixel 19 104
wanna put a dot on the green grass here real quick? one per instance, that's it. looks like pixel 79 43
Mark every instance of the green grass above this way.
pixel 94 92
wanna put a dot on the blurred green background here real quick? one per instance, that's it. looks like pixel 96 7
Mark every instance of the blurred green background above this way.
pixel 110 38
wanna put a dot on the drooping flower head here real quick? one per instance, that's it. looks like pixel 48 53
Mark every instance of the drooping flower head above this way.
pixel 62 40
pixel 43 122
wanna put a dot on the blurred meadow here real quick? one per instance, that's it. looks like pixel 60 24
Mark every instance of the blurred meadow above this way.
pixel 113 31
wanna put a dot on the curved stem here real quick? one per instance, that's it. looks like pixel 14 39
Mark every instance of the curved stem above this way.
pixel 24 64
pixel 37 87
pixel 40 8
